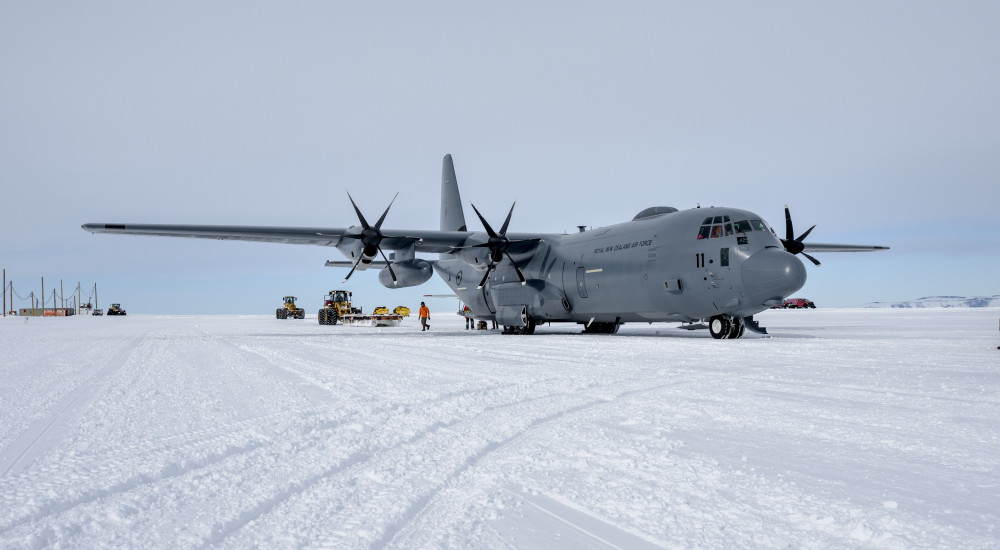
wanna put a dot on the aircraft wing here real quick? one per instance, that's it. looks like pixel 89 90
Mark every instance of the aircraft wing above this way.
pixel 424 240
pixel 825 247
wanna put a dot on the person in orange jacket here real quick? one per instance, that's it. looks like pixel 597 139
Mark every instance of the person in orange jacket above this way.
pixel 469 321
pixel 425 315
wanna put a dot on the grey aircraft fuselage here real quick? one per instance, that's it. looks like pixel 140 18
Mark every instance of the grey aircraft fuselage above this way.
pixel 720 265
pixel 652 269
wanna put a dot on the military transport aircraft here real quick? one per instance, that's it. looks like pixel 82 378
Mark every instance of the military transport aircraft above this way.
pixel 704 267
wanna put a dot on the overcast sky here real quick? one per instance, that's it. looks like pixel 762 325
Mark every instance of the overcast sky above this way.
pixel 877 121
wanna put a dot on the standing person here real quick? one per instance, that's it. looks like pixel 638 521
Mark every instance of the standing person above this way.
pixel 469 321
pixel 425 315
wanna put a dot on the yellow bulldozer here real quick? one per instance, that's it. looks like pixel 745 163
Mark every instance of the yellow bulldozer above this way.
pixel 290 310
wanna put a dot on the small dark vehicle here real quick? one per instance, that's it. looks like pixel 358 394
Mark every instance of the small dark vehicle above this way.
pixel 798 303
pixel 116 309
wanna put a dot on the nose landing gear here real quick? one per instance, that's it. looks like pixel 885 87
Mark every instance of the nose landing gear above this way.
pixel 725 326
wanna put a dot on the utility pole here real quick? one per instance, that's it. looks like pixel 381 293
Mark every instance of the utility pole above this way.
pixel 62 297
pixel 43 296
pixel 5 293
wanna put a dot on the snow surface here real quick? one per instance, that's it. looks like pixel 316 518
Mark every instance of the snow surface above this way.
pixel 944 301
pixel 848 428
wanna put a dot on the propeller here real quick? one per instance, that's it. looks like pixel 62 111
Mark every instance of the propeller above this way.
pixel 498 245
pixel 795 245
pixel 371 238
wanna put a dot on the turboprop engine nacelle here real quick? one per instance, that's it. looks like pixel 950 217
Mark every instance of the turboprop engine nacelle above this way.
pixel 408 273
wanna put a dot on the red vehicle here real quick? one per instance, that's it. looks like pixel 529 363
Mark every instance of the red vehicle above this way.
pixel 798 303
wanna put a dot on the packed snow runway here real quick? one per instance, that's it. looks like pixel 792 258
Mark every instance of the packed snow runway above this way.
pixel 847 428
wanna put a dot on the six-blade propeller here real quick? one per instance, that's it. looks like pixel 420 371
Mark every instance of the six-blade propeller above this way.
pixel 371 238
pixel 498 245
pixel 793 245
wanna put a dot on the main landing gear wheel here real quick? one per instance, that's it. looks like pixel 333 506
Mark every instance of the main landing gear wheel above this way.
pixel 720 326
pixel 602 328
pixel 528 328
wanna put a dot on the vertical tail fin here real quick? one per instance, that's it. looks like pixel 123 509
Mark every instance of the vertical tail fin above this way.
pixel 452 217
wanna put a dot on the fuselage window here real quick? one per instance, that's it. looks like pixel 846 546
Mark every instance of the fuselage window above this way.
pixel 704 232
pixel 716 231
pixel 742 226
pixel 729 229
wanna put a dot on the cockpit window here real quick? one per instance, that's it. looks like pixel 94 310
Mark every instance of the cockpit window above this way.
pixel 742 226
pixel 715 227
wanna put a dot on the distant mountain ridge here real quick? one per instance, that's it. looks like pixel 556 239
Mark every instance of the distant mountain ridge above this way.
pixel 943 301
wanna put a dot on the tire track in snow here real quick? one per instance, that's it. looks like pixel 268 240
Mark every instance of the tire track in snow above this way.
pixel 128 485
pixel 411 521
pixel 451 444
pixel 45 433
pixel 368 458
pixel 351 468
pixel 101 474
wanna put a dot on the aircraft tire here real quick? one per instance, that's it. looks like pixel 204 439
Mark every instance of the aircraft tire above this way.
pixel 529 328
pixel 737 329
pixel 720 327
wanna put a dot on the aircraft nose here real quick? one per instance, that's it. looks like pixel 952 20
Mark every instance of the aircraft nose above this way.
pixel 772 275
